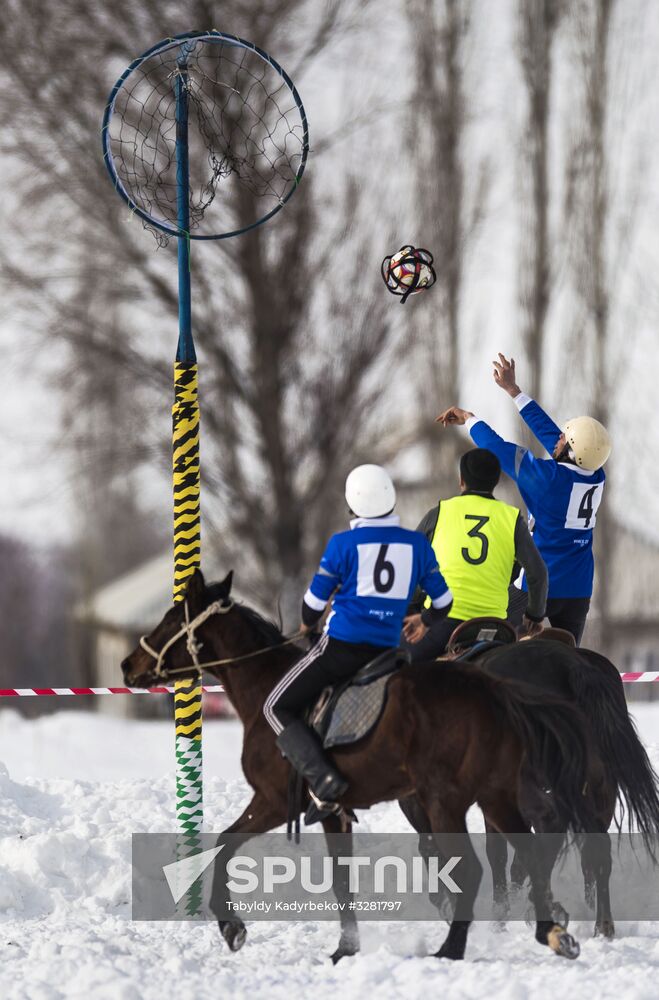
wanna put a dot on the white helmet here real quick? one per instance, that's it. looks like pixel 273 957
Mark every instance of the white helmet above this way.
pixel 370 491
pixel 589 441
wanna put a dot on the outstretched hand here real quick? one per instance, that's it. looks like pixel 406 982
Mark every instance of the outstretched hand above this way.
pixel 504 375
pixel 454 415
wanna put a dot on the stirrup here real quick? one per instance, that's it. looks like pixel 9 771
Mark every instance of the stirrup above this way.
pixel 319 809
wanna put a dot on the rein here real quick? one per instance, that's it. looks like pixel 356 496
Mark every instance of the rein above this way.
pixel 188 629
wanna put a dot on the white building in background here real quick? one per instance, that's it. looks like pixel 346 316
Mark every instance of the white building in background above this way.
pixel 117 615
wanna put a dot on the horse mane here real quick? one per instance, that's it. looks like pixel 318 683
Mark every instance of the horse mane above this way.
pixel 269 632
pixel 266 629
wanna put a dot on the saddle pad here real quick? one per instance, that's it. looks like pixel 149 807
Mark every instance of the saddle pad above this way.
pixel 355 713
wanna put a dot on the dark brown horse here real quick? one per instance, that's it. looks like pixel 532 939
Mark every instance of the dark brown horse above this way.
pixel 449 737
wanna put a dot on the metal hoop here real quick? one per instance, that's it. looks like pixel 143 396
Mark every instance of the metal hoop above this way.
pixel 214 37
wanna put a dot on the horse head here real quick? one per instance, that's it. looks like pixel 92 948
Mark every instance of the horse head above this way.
pixel 170 651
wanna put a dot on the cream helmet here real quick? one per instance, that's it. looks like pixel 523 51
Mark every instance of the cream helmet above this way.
pixel 589 442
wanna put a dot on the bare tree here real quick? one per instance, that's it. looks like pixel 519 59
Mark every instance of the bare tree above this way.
pixel 538 22
pixel 589 217
pixel 450 202
pixel 290 382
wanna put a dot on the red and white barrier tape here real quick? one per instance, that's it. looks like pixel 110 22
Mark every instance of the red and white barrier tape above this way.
pixel 645 677
pixel 45 692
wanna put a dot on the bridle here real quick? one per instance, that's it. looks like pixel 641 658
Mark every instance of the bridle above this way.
pixel 187 631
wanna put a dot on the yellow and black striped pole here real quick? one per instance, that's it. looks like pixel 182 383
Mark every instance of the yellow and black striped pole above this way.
pixel 187 553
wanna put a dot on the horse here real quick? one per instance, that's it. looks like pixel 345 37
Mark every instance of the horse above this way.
pixel 593 683
pixel 450 738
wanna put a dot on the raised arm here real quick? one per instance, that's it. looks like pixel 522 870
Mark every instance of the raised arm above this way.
pixel 533 474
pixel 510 455
pixel 535 418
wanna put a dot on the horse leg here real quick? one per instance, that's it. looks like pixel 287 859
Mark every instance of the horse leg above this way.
pixel 445 819
pixel 418 819
pixel 537 813
pixel 596 866
pixel 589 881
pixel 506 817
pixel 536 806
pixel 349 940
pixel 259 817
pixel 518 873
pixel 496 849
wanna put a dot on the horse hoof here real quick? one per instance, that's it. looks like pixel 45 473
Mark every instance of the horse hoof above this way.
pixel 499 926
pixel 605 929
pixel 340 953
pixel 563 943
pixel 348 945
pixel 447 952
pixel 234 933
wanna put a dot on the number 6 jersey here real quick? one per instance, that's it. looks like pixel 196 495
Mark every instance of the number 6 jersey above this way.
pixel 561 498
pixel 376 566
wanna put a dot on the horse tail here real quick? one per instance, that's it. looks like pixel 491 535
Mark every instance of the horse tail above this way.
pixel 598 690
pixel 551 731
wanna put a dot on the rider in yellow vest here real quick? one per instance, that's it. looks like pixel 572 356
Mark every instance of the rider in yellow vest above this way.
pixel 477 540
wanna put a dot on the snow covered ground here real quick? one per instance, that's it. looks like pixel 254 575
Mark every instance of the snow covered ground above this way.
pixel 75 786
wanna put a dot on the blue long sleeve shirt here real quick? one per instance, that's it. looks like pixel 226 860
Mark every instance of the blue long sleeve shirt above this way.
pixel 561 498
pixel 376 566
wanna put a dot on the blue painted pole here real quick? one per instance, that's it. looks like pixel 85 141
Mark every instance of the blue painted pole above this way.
pixel 186 351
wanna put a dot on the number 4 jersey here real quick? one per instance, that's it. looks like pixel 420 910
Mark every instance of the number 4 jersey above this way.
pixel 376 566
pixel 561 498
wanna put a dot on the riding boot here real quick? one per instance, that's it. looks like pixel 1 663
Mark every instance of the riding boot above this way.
pixel 301 747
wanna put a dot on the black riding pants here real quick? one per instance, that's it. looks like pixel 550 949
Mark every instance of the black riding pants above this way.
pixel 434 641
pixel 329 662
pixel 569 613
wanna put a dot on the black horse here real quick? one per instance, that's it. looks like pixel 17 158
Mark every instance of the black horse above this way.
pixel 592 682
pixel 624 772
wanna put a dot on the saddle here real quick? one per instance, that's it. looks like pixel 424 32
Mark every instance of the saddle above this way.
pixel 348 712
pixel 473 637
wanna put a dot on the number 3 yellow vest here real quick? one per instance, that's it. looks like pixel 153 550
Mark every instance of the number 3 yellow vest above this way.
pixel 474 542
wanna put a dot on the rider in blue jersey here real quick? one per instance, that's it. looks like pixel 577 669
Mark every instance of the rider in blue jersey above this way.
pixel 562 495
pixel 370 573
